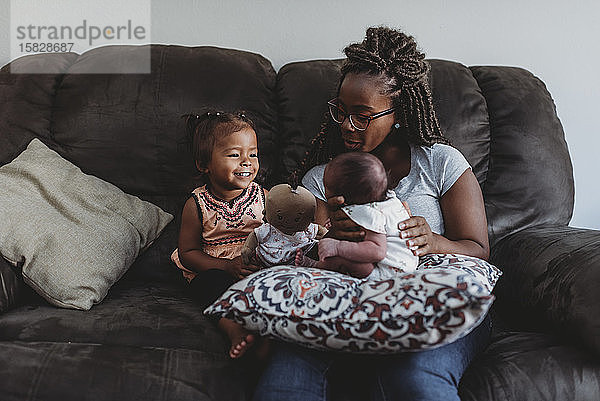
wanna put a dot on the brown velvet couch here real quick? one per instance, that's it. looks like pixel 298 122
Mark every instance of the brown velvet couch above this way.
pixel 148 340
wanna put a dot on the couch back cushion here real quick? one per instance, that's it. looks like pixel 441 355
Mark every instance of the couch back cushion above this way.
pixel 501 118
pixel 26 101
pixel 127 128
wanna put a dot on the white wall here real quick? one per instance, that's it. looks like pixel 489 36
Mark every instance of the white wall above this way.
pixel 556 40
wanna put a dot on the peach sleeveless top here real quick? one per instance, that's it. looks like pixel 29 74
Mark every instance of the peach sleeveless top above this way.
pixel 225 225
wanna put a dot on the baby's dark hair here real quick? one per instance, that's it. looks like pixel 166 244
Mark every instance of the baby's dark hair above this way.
pixel 393 57
pixel 204 130
pixel 358 176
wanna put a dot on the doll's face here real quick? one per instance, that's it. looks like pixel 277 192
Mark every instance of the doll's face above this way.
pixel 290 211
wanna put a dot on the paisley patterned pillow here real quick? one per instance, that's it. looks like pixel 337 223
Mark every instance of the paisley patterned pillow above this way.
pixel 486 273
pixel 321 309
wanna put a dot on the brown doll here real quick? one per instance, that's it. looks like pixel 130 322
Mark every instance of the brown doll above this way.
pixel 288 227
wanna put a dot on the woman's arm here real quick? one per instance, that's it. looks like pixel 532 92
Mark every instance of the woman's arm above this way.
pixel 464 221
pixel 190 247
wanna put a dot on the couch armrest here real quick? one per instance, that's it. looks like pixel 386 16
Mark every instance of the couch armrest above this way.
pixel 551 280
pixel 11 285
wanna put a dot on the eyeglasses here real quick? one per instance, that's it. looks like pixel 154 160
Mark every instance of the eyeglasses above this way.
pixel 360 122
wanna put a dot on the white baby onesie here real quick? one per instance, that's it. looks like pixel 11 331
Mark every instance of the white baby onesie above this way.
pixel 383 217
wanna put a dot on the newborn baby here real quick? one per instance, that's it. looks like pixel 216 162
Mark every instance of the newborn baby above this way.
pixel 361 179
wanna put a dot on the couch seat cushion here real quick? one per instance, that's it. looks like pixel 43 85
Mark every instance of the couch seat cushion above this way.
pixel 98 372
pixel 133 314
pixel 531 366
pixel 143 342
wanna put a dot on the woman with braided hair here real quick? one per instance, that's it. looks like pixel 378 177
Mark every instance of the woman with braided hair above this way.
pixel 384 107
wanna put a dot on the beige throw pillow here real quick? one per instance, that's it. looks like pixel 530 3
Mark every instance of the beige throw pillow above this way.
pixel 74 234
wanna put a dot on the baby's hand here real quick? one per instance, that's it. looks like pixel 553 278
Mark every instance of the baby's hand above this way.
pixel 238 269
pixel 328 247
pixel 249 258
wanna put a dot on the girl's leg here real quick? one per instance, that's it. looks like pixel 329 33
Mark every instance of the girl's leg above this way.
pixel 209 285
pixel 430 375
pixel 206 287
pixel 241 339
pixel 294 374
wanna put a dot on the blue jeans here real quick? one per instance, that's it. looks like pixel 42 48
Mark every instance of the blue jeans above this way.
pixel 296 373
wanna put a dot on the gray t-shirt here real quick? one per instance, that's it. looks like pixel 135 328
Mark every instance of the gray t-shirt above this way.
pixel 433 170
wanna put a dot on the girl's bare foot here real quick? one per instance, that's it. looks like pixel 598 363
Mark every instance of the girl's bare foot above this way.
pixel 239 349
pixel 241 339
pixel 302 260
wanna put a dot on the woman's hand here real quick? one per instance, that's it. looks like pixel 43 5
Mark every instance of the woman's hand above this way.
pixel 419 237
pixel 342 227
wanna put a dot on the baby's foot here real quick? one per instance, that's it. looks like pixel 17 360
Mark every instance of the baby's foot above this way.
pixel 241 339
pixel 302 260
